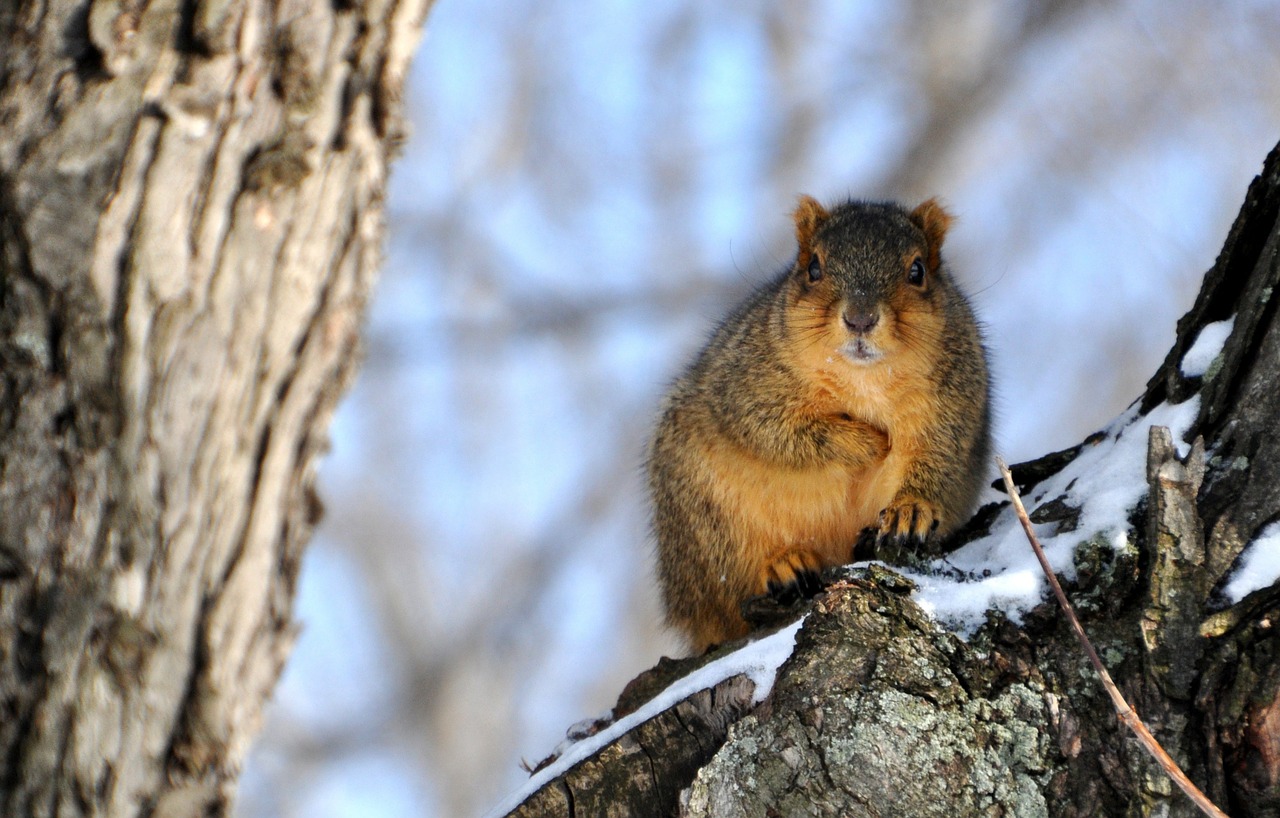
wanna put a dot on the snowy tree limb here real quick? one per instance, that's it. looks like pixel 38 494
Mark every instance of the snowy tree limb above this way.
pixel 879 711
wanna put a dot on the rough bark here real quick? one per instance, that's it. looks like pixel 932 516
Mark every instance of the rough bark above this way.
pixel 880 712
pixel 643 767
pixel 190 222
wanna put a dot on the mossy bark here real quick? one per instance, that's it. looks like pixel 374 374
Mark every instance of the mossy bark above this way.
pixel 879 712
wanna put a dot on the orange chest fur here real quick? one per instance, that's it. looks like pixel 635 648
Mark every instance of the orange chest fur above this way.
pixel 772 509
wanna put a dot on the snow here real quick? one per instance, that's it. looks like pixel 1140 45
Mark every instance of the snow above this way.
pixel 1105 482
pixel 1207 346
pixel 1259 565
pixel 758 660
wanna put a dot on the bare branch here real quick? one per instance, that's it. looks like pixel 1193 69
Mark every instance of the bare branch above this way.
pixel 1123 710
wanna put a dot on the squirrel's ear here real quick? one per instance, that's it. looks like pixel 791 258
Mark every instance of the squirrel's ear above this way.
pixel 809 216
pixel 934 220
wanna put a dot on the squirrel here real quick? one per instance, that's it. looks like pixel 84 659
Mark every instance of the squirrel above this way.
pixel 849 392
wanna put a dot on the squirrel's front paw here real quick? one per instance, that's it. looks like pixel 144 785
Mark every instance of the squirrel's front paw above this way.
pixel 864 443
pixel 877 441
pixel 793 576
pixel 907 521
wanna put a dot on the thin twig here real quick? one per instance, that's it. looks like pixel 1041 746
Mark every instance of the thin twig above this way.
pixel 1123 710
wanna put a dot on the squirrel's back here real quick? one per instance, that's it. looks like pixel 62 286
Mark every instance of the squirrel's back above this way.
pixel 849 392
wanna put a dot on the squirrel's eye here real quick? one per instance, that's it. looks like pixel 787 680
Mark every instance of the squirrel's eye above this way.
pixel 915 275
pixel 815 269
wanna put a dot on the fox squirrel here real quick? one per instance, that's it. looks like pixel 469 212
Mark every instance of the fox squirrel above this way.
pixel 849 392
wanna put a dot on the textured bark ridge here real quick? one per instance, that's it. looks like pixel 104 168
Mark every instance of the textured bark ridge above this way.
pixel 643 767
pixel 190 222
pixel 880 712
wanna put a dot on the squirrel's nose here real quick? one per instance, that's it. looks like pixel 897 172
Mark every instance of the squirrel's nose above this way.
pixel 861 322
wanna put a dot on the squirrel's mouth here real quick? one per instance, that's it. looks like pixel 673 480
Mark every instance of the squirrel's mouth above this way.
pixel 861 351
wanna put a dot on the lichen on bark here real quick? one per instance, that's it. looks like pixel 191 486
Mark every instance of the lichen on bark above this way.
pixel 881 712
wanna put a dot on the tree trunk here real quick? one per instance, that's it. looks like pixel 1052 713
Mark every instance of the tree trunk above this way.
pixel 879 712
pixel 191 212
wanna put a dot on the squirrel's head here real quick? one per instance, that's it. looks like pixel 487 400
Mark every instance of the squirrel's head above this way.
pixel 868 279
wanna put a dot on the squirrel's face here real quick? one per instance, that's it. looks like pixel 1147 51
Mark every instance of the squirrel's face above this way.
pixel 868 280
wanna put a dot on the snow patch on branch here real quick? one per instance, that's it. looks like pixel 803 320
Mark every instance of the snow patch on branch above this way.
pixel 1104 484
pixel 1208 345
pixel 1258 566
pixel 758 660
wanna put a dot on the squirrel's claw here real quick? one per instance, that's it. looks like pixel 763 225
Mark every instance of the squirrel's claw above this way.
pixel 907 521
pixel 805 586
pixel 793 577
